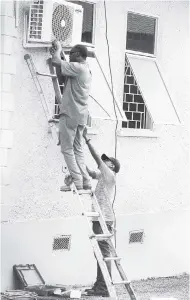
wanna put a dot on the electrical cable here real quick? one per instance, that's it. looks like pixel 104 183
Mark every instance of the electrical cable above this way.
pixel 114 105
pixel 100 106
pixel 108 85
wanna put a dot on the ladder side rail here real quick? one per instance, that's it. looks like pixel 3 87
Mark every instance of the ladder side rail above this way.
pixel 73 188
pixel 124 278
pixel 103 267
pixel 96 248
pixel 32 69
pixel 122 273
pixel 55 81
pixel 117 263
pixel 45 106
pixel 35 75
pixel 101 217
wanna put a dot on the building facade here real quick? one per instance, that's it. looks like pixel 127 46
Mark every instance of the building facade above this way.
pixel 146 45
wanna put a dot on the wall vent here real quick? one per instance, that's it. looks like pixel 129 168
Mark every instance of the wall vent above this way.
pixel 62 242
pixel 136 236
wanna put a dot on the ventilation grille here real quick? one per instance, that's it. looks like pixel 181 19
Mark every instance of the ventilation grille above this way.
pixel 136 236
pixel 62 242
pixel 35 20
pixel 62 23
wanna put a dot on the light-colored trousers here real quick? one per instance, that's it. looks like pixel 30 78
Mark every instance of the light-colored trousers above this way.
pixel 71 140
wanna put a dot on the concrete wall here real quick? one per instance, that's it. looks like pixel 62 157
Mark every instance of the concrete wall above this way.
pixel 154 173
pixel 164 251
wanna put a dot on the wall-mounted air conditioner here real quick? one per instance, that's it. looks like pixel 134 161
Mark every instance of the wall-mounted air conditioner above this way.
pixel 49 20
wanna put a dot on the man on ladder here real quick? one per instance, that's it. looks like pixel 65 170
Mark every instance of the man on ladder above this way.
pixel 74 111
pixel 104 193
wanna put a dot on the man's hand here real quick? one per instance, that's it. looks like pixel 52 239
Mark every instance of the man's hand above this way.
pixel 56 45
pixel 56 52
pixel 85 133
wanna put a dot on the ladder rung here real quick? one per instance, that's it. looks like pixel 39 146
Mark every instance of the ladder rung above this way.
pixel 91 214
pixel 112 258
pixel 82 192
pixel 52 120
pixel 122 282
pixel 48 75
pixel 101 237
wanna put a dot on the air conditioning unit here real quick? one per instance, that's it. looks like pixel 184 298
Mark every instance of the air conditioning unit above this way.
pixel 60 20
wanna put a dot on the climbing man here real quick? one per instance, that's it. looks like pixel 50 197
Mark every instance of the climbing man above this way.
pixel 104 193
pixel 73 111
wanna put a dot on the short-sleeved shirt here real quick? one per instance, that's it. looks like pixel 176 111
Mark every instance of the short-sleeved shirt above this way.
pixel 104 191
pixel 76 92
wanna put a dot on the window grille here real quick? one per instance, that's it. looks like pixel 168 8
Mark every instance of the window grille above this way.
pixel 136 236
pixel 88 21
pixel 133 103
pixel 140 33
pixel 62 242
pixel 36 17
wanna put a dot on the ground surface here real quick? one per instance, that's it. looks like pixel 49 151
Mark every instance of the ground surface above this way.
pixel 170 287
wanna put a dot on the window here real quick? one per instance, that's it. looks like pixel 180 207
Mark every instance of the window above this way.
pixel 88 21
pixel 140 33
pixel 133 103
pixel 146 99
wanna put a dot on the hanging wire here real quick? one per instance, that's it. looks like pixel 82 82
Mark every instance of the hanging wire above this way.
pixel 114 105
pixel 100 106
pixel 108 85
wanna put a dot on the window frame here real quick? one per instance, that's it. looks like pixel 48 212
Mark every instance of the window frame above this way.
pixel 156 35
pixel 155 131
pixel 93 2
pixel 152 124
pixel 141 132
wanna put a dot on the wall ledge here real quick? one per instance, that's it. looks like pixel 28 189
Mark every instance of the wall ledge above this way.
pixel 144 133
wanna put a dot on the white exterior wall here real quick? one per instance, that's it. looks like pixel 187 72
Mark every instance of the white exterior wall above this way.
pixel 154 172
pixel 8 70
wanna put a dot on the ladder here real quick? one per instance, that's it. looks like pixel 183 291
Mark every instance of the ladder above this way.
pixel 94 238
pixel 106 235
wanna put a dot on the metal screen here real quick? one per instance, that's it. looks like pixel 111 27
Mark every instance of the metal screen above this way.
pixel 62 242
pixel 62 23
pixel 136 236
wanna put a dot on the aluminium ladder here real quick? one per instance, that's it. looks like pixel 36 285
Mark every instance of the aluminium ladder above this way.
pixel 94 238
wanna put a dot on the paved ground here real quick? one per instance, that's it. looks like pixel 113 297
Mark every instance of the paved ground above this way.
pixel 170 287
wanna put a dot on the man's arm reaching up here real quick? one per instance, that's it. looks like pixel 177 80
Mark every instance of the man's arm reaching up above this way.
pixel 56 52
pixel 93 174
pixel 67 68
pixel 93 152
